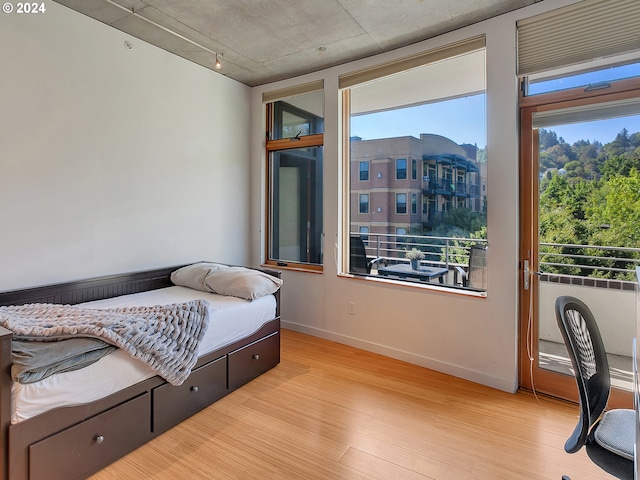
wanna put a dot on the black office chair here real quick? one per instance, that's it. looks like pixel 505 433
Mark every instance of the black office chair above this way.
pixel 358 261
pixel 609 439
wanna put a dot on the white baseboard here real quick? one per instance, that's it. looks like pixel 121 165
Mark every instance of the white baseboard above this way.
pixel 456 371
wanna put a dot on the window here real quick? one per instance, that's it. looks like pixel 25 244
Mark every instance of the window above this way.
pixel 364 171
pixel 420 122
pixel 294 150
pixel 594 79
pixel 401 168
pixel 364 203
pixel 364 234
pixel 401 239
pixel 401 203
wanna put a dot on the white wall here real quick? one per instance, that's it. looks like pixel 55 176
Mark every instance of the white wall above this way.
pixel 616 325
pixel 114 160
pixel 470 337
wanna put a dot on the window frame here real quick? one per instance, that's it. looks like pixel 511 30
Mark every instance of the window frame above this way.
pixel 349 81
pixel 279 145
pixel 361 171
pixel 360 204
pixel 406 200
pixel 398 169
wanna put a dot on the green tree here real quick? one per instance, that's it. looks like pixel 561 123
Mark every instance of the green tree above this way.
pixel 619 165
pixel 547 138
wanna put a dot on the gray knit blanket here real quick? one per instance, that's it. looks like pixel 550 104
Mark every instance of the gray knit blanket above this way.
pixel 165 337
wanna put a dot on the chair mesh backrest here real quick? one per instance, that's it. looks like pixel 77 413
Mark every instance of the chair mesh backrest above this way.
pixel 478 267
pixel 591 367
pixel 357 256
pixel 585 351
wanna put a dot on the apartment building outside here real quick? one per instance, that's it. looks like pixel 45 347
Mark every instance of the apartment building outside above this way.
pixel 404 185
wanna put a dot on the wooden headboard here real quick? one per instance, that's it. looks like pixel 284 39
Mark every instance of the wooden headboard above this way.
pixel 98 288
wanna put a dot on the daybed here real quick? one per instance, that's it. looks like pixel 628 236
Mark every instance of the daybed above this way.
pixel 74 441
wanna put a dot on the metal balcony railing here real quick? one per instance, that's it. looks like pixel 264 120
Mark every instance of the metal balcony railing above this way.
pixel 444 186
pixel 588 261
pixel 438 251
pixel 594 261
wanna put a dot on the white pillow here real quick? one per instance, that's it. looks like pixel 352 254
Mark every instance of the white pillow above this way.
pixel 241 282
pixel 193 276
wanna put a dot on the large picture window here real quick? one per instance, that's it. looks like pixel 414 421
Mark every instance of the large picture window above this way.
pixel 294 146
pixel 420 124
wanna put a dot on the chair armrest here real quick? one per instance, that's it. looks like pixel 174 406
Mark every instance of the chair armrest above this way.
pixel 463 276
pixel 376 260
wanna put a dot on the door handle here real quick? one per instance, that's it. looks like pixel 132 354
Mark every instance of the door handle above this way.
pixel 527 274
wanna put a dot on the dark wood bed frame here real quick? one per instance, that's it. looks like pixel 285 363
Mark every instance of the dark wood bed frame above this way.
pixel 74 442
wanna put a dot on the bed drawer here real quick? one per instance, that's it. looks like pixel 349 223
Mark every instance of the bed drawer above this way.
pixel 256 358
pixel 205 385
pixel 79 451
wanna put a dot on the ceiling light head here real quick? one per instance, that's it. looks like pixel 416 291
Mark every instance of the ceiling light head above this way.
pixel 218 65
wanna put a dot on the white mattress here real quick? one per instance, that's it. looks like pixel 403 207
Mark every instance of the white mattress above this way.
pixel 230 319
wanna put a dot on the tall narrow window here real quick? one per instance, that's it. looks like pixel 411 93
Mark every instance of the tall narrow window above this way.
pixel 364 203
pixel 294 144
pixel 401 168
pixel 401 203
pixel 364 234
pixel 420 122
pixel 364 171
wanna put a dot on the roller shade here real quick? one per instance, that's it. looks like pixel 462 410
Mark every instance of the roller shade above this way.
pixel 578 33
pixel 294 91
pixel 407 63
pixel 597 111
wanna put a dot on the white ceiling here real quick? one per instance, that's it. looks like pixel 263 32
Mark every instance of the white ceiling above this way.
pixel 262 41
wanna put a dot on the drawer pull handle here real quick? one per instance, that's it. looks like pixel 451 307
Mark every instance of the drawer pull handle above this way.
pixel 99 439
pixel 194 388
pixel 256 357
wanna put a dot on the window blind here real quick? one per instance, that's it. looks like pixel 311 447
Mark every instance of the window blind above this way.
pixel 294 91
pixel 365 75
pixel 578 33
pixel 594 111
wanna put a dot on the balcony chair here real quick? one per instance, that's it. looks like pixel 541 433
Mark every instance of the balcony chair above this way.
pixel 475 276
pixel 358 262
pixel 609 440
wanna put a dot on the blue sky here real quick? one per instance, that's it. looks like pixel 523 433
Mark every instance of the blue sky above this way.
pixel 602 130
pixel 463 119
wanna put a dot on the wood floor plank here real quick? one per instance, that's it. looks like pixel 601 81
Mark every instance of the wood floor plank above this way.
pixel 333 412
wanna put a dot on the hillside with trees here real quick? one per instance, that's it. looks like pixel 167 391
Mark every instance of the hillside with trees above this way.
pixel 590 195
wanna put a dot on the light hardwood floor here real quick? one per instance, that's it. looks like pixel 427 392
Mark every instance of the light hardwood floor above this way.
pixel 329 411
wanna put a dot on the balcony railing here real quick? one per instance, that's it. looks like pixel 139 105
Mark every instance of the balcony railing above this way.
pixel 595 262
pixel 438 251
pixel 444 186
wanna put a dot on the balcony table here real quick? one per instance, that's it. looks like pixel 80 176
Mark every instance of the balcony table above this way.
pixel 404 270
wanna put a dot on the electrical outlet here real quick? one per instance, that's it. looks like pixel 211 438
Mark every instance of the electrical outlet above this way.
pixel 352 308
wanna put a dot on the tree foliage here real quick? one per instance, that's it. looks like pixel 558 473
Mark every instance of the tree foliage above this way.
pixel 589 195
